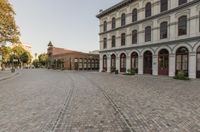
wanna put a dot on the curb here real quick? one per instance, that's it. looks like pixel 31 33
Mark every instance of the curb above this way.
pixel 9 77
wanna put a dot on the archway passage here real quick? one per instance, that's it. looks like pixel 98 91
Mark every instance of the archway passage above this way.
pixel 122 62
pixel 104 63
pixel 113 62
pixel 182 60
pixel 134 61
pixel 163 62
pixel 198 62
pixel 147 62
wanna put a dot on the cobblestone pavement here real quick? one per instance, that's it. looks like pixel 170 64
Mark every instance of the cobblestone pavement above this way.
pixel 53 101
pixel 6 74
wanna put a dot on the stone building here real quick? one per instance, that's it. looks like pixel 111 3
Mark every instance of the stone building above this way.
pixel 60 58
pixel 158 37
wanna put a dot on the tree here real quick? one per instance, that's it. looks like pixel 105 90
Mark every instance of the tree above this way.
pixel 6 51
pixel 43 59
pixel 25 58
pixel 21 54
pixel 36 63
pixel 18 50
pixel 8 28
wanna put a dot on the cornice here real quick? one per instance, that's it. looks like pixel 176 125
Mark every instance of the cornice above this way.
pixel 151 45
pixel 155 16
pixel 115 7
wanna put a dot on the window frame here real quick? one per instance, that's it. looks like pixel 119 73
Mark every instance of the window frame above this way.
pixel 123 19
pixel 163 5
pixel 164 30
pixel 182 25
pixel 134 15
pixel 104 43
pixel 113 41
pixel 123 39
pixel 148 10
pixel 105 26
pixel 134 37
pixel 113 23
pixel 181 2
pixel 148 34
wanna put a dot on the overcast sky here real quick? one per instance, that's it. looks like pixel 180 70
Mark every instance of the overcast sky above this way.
pixel 67 23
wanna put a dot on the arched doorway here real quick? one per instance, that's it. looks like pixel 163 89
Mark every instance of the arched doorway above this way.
pixel 113 62
pixel 148 62
pixel 198 62
pixel 182 60
pixel 134 61
pixel 104 63
pixel 163 62
pixel 122 62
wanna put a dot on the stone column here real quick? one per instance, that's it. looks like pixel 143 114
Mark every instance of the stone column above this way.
pixel 140 65
pixel 100 63
pixel 128 63
pixel 117 63
pixel 155 65
pixel 108 63
pixel 192 65
pixel 172 65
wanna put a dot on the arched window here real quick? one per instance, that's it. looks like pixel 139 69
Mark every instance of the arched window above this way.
pixel 134 37
pixel 163 5
pixel 134 15
pixel 104 63
pixel 113 41
pixel 113 62
pixel 105 26
pixel 105 43
pixel 134 61
pixel 182 25
pixel 180 2
pixel 122 62
pixel 163 62
pixel 163 30
pixel 123 19
pixel 113 23
pixel 148 10
pixel 148 61
pixel 182 59
pixel 147 34
pixel 123 39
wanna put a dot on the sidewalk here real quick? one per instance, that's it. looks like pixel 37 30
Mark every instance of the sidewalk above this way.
pixel 6 74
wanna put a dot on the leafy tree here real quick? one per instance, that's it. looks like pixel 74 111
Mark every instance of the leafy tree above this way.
pixel 18 50
pixel 21 54
pixel 6 51
pixel 36 63
pixel 8 28
pixel 26 58
pixel 43 59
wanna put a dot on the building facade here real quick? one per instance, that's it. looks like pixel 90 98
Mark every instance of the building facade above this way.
pixel 158 37
pixel 60 58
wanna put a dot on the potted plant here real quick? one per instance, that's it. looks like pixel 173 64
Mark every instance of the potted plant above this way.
pixel 130 72
pixel 181 75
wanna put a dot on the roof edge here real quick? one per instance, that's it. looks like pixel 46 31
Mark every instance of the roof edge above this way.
pixel 114 7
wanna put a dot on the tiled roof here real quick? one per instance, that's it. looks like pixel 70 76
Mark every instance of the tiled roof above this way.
pixel 58 51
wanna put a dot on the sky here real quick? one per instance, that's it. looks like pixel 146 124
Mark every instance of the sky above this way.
pixel 70 24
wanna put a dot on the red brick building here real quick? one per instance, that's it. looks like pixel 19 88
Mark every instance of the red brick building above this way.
pixel 60 58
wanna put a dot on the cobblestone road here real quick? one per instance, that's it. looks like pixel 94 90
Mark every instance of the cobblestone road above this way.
pixel 52 101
